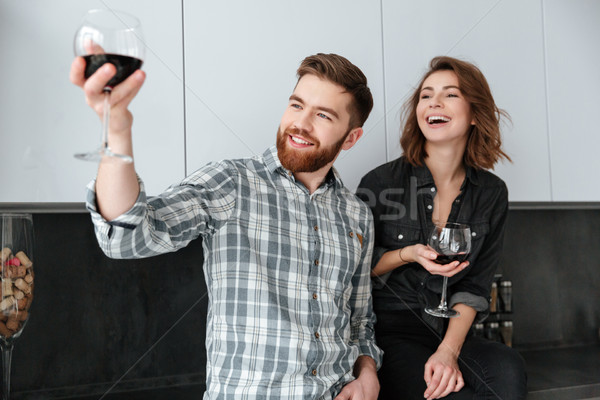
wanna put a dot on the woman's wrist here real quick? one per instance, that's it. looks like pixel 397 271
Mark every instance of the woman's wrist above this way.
pixel 402 259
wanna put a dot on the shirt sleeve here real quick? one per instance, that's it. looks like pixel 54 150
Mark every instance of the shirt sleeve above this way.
pixel 368 191
pixel 473 289
pixel 197 206
pixel 363 317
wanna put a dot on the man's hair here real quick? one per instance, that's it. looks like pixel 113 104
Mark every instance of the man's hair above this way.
pixel 484 142
pixel 339 70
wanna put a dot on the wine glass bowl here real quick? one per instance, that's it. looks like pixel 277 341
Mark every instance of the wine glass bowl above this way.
pixel 16 290
pixel 452 242
pixel 114 37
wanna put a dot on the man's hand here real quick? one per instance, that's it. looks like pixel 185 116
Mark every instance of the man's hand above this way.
pixel 366 384
pixel 120 96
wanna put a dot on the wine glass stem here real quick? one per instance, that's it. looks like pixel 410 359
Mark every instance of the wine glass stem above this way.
pixel 443 302
pixel 106 118
pixel 6 360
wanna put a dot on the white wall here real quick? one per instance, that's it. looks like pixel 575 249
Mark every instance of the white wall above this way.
pixel 234 63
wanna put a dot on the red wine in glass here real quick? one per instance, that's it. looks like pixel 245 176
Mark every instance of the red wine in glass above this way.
pixel 114 37
pixel 444 259
pixel 125 66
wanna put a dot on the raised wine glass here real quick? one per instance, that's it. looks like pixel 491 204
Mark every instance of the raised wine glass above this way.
pixel 114 37
pixel 16 291
pixel 452 242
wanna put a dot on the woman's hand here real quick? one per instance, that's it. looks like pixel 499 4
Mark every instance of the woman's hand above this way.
pixel 442 374
pixel 418 253
pixel 426 256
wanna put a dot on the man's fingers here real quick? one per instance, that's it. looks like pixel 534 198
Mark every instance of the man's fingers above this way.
pixel 128 89
pixel 77 71
pixel 95 84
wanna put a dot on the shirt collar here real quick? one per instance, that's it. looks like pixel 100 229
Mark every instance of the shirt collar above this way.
pixel 424 177
pixel 273 164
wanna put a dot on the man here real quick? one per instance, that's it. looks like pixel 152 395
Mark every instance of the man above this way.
pixel 287 246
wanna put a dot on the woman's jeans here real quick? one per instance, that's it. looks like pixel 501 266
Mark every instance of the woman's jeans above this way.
pixel 491 370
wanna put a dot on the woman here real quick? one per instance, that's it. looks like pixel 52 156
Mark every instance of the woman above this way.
pixel 450 138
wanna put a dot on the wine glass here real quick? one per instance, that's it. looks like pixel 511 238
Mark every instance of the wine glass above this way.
pixel 16 254
pixel 114 37
pixel 452 242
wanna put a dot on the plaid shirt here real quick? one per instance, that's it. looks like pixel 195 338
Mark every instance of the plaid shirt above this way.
pixel 287 274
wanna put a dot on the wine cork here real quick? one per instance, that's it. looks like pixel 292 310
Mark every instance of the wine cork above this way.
pixel 7 303
pixel 4 331
pixel 22 285
pixel 24 259
pixel 22 315
pixel 7 287
pixel 12 323
pixel 5 253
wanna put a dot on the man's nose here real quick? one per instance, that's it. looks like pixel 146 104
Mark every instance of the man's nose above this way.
pixel 303 122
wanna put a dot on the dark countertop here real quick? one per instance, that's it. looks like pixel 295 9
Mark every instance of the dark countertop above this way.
pixel 563 373
pixel 554 374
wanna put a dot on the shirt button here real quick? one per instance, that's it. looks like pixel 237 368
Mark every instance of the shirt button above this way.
pixel 400 236
pixel 473 234
pixel 315 296
pixel 316 262
pixel 317 335
pixel 433 189
pixel 314 372
pixel 316 228
pixel 429 207
pixel 457 201
pixel 351 234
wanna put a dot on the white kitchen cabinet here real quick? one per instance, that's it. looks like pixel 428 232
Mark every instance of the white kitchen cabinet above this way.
pixel 219 75
pixel 504 39
pixel 44 118
pixel 572 37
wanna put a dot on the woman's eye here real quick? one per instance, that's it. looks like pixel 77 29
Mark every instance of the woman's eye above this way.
pixel 425 96
pixel 452 95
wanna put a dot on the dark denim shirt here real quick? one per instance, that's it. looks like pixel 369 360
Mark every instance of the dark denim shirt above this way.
pixel 401 198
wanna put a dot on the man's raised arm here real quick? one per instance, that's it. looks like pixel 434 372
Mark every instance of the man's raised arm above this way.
pixel 117 186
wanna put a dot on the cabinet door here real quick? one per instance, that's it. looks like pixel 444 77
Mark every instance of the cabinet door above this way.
pixel 44 119
pixel 504 39
pixel 240 61
pixel 572 37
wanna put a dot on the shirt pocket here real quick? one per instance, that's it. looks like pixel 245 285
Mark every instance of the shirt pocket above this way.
pixel 396 236
pixel 479 232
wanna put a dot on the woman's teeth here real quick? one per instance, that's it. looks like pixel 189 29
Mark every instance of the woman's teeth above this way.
pixel 436 119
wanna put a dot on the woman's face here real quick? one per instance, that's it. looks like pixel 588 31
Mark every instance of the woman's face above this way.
pixel 443 114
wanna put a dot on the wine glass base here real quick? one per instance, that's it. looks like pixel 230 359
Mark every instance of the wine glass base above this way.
pixel 442 313
pixel 98 154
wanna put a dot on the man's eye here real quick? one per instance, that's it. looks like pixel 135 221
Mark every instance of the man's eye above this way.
pixel 321 115
pixel 294 105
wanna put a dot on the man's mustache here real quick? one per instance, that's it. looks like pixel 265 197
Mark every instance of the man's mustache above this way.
pixel 301 134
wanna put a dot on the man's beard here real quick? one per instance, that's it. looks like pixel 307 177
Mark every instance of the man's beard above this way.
pixel 308 160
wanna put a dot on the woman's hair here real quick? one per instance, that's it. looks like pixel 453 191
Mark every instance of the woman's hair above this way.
pixel 484 144
pixel 339 70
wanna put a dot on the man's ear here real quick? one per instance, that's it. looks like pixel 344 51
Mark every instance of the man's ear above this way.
pixel 352 138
